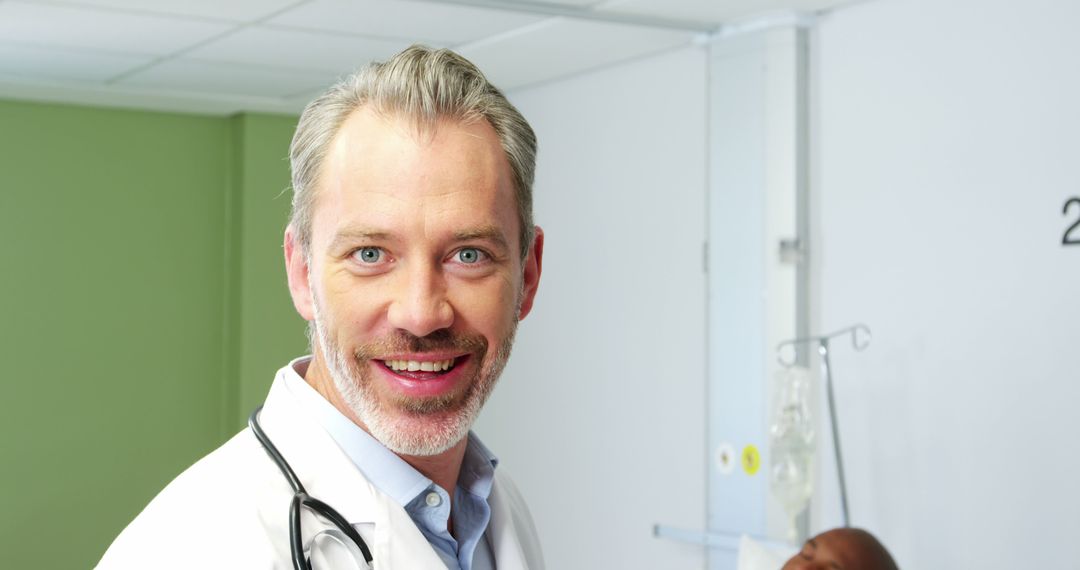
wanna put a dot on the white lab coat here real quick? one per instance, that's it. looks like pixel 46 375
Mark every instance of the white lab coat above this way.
pixel 231 509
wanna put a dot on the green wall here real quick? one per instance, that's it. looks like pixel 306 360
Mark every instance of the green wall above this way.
pixel 260 182
pixel 144 309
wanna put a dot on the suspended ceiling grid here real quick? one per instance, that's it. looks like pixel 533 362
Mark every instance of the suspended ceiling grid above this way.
pixel 225 56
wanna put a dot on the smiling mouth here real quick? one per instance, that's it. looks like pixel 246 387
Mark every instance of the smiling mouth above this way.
pixel 430 366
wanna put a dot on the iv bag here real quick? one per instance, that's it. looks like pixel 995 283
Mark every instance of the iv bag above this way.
pixel 791 442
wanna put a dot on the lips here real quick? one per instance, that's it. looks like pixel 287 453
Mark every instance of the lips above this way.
pixel 422 376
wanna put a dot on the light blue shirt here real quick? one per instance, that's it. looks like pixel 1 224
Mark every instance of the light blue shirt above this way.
pixel 426 503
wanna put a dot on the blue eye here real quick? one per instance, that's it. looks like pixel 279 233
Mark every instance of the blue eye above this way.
pixel 368 254
pixel 469 255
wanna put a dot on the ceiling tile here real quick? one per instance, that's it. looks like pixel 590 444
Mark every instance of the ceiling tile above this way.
pixel 183 75
pixel 572 3
pixel 430 22
pixel 712 10
pixel 331 52
pixel 561 47
pixel 231 10
pixel 62 26
pixel 64 64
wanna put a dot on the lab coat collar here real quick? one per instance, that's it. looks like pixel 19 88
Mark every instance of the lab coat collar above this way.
pixel 330 476
pixel 503 530
pixel 380 466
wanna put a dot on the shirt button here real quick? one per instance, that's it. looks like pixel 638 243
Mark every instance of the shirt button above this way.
pixel 433 499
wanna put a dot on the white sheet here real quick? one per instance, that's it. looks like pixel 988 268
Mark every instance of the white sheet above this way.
pixel 755 555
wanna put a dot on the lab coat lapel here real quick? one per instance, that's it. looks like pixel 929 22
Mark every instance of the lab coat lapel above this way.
pixel 505 545
pixel 329 475
pixel 400 545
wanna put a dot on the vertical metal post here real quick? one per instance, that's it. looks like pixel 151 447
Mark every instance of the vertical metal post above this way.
pixel 823 350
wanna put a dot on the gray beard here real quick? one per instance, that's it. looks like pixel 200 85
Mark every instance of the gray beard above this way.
pixel 431 425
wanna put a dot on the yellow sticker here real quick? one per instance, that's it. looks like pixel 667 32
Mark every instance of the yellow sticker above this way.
pixel 751 460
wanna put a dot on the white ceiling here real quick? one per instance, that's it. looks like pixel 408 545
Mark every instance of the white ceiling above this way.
pixel 224 56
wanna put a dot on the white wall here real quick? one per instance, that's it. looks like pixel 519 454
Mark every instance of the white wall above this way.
pixel 600 415
pixel 947 141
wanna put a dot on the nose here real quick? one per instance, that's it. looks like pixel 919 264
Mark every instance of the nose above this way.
pixel 420 305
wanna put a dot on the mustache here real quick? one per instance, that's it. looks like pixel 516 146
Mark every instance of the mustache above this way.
pixel 443 340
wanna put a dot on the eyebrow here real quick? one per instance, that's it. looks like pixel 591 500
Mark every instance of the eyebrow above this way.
pixel 488 232
pixel 352 234
pixel 832 563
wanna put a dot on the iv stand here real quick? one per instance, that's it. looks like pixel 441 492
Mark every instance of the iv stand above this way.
pixel 860 339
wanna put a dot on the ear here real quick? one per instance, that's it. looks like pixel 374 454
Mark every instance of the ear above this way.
pixel 296 268
pixel 533 264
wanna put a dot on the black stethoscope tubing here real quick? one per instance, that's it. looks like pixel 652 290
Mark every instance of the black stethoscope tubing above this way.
pixel 302 499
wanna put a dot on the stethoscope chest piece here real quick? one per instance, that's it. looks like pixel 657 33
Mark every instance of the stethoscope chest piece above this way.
pixel 332 549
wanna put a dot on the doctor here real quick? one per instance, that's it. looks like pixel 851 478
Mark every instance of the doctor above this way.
pixel 412 253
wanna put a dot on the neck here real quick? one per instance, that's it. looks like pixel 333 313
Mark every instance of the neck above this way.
pixel 442 468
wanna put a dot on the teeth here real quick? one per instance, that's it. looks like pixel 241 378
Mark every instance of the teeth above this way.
pixel 418 366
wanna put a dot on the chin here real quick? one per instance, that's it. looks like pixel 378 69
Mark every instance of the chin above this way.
pixel 406 433
pixel 415 426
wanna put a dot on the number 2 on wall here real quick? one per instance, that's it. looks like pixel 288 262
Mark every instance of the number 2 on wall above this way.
pixel 1067 239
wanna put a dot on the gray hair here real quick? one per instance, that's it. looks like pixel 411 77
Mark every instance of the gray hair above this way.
pixel 423 85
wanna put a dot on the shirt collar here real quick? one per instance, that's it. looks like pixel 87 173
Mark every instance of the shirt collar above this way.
pixel 477 468
pixel 384 469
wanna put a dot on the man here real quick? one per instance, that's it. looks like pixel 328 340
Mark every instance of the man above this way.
pixel 412 253
pixel 842 549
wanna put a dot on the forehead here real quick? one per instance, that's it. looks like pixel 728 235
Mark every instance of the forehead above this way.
pixel 381 170
pixel 839 546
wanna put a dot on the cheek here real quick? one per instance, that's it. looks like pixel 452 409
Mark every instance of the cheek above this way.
pixel 487 308
pixel 348 303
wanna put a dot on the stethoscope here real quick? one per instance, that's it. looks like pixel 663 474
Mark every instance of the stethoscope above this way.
pixel 302 499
